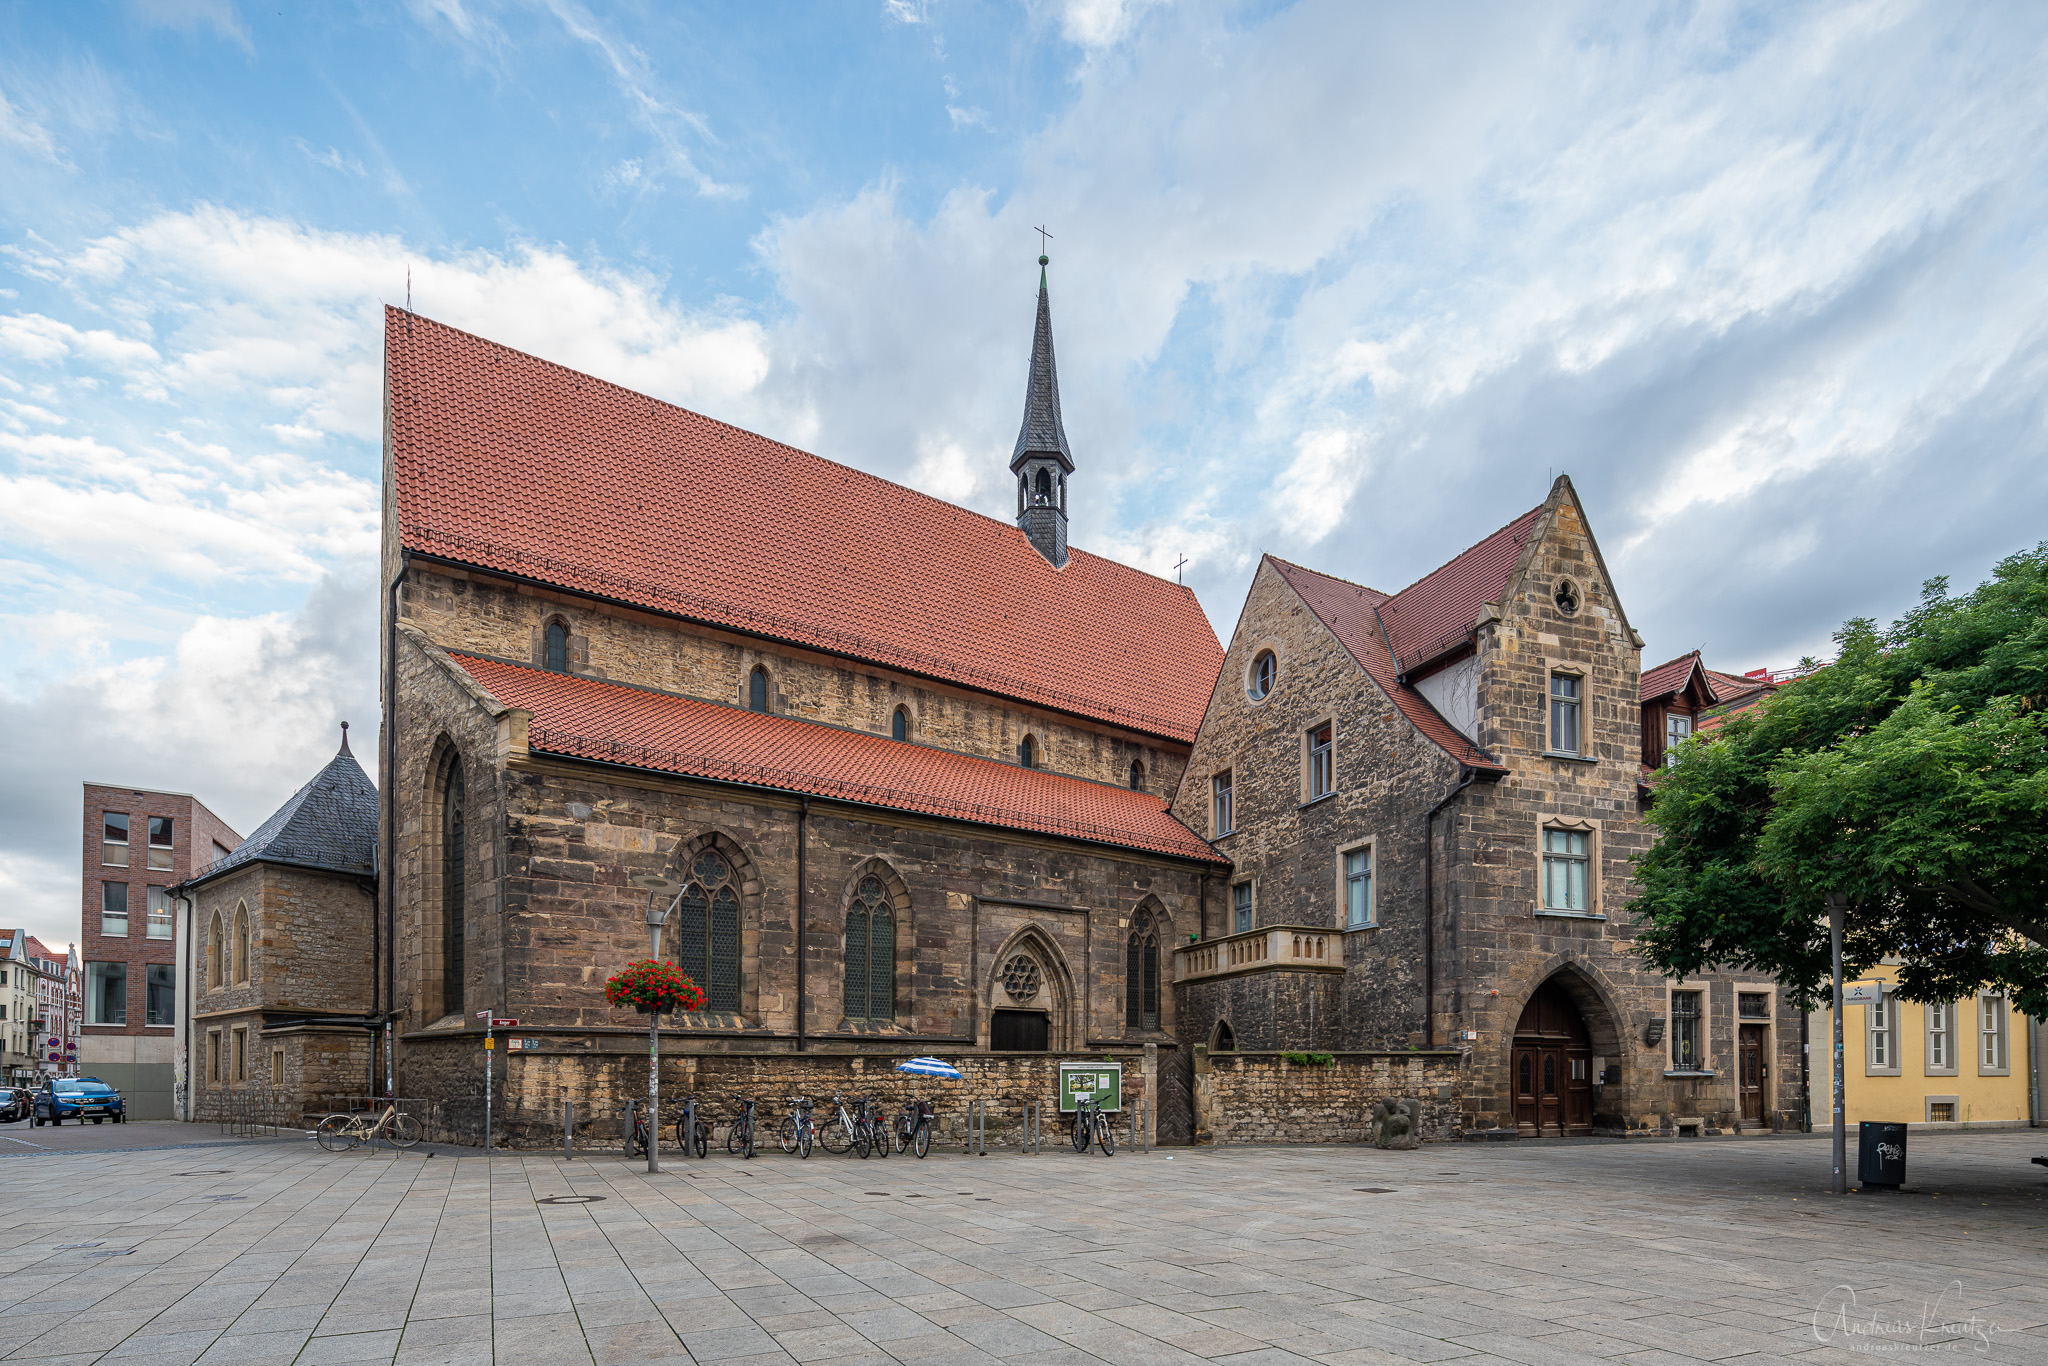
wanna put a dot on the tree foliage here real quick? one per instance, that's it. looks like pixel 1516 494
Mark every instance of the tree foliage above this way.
pixel 1911 775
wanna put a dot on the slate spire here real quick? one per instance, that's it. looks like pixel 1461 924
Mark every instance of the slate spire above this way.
pixel 1042 460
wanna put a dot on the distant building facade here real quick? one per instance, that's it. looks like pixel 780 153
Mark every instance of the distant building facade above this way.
pixel 21 1022
pixel 1968 1064
pixel 138 845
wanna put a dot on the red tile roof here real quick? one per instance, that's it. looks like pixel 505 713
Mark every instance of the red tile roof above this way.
pixel 1672 676
pixel 508 462
pixel 588 719
pixel 1351 611
pixel 1436 614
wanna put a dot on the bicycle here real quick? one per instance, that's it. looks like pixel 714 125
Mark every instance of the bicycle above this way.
pixel 740 1137
pixel 339 1132
pixel 877 1122
pixel 1090 1123
pixel 913 1128
pixel 702 1145
pixel 843 1134
pixel 797 1132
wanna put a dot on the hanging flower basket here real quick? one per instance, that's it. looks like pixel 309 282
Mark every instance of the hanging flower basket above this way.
pixel 654 988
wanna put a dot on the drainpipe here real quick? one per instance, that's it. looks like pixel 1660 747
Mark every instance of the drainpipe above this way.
pixel 803 817
pixel 1466 775
pixel 384 938
pixel 1203 902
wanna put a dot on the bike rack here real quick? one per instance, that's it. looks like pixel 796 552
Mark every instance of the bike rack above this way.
pixel 690 1129
pixel 568 1130
pixel 1031 1126
pixel 977 1127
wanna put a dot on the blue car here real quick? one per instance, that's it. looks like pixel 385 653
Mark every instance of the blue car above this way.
pixel 79 1098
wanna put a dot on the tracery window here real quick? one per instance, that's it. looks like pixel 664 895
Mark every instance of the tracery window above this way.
pixel 708 932
pixel 241 944
pixel 216 935
pixel 454 887
pixel 870 953
pixel 1141 974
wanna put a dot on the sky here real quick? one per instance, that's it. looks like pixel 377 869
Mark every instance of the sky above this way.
pixel 1349 283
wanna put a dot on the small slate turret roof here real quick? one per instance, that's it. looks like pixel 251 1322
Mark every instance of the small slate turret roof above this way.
pixel 329 824
pixel 1042 433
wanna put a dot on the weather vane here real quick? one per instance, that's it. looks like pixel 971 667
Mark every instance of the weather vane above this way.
pixel 1043 238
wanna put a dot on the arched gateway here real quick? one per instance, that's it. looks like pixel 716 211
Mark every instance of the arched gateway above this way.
pixel 1552 1067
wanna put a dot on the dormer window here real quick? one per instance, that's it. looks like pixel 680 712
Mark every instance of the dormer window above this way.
pixel 1677 730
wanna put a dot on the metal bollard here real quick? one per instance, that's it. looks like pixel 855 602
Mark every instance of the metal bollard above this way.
pixel 690 1128
pixel 626 1127
pixel 568 1130
pixel 1030 1143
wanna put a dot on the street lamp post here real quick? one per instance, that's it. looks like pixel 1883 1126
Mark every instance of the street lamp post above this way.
pixel 655 885
pixel 1838 906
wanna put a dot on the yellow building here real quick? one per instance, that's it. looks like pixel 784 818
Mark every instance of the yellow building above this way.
pixel 1966 1064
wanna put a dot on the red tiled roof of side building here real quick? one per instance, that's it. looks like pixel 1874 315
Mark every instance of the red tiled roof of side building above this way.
pixel 1437 613
pixel 616 723
pixel 1672 676
pixel 512 463
pixel 1350 610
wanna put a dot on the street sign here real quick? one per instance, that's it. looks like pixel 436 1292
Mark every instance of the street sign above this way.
pixel 483 1014
pixel 1862 993
pixel 504 1024
pixel 1099 1081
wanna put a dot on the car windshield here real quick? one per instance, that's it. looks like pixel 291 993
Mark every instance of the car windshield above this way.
pixel 85 1089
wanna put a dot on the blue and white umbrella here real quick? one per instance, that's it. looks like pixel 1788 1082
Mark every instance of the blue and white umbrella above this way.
pixel 930 1067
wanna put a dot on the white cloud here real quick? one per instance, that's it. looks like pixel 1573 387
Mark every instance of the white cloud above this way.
pixel 333 158
pixel 18 128
pixel 1100 23
pixel 189 16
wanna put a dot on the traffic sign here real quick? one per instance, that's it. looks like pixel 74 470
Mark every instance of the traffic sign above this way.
pixel 504 1024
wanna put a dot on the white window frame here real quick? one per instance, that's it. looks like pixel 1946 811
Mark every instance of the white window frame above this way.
pixel 1222 803
pixel 108 848
pixel 1577 702
pixel 1319 763
pixel 157 913
pixel 127 911
pixel 1372 909
pixel 1992 1007
pixel 1675 720
pixel 1548 823
pixel 1248 911
pixel 1881 1038
pixel 1940 1031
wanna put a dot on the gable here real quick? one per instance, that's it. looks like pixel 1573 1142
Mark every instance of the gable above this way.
pixel 506 462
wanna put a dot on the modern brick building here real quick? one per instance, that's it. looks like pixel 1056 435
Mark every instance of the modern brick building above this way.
pixel 137 846
pixel 895 773
pixel 1431 800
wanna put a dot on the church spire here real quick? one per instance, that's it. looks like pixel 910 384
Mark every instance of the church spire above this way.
pixel 1042 460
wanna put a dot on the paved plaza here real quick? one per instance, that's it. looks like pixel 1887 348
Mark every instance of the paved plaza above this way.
pixel 1644 1252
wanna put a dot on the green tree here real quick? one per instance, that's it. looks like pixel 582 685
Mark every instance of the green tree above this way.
pixel 1911 775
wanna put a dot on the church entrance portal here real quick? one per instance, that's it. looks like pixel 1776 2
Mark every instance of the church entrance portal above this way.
pixel 1552 1067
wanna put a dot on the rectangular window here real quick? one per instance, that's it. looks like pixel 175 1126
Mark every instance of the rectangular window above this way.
pixel 106 993
pixel 213 1055
pixel 1687 1051
pixel 1882 1054
pixel 1358 888
pixel 114 840
pixel 159 986
pixel 1224 813
pixel 1753 1005
pixel 114 909
pixel 1567 858
pixel 1319 777
pixel 1241 907
pixel 1941 1040
pixel 159 917
pixel 1941 1112
pixel 277 1067
pixel 160 841
pixel 1991 1054
pixel 1564 714
pixel 1677 730
pixel 241 1055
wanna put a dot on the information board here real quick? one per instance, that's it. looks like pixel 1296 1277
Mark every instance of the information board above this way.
pixel 1101 1081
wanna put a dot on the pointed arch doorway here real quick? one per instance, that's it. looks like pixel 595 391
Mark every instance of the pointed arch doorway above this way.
pixel 1552 1067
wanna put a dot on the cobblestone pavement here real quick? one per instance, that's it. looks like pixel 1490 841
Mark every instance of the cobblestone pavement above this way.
pixel 1714 1250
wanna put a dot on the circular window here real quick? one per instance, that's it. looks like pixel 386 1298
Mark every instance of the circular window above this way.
pixel 1263 670
pixel 1020 978
pixel 1566 597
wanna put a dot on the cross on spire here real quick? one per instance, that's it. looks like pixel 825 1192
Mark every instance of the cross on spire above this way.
pixel 1179 565
pixel 1043 238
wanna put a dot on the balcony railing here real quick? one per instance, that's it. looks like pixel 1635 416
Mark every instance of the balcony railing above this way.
pixel 1271 948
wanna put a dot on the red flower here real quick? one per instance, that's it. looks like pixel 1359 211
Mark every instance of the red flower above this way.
pixel 655 986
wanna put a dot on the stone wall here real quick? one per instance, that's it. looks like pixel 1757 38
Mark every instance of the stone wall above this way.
pixel 463 611
pixel 1261 1097
pixel 309 941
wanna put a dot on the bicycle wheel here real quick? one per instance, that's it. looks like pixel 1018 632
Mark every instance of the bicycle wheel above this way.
pixel 788 1134
pixel 335 1135
pixel 863 1142
pixel 1105 1134
pixel 923 1141
pixel 732 1137
pixel 1084 1132
pixel 636 1141
pixel 703 1138
pixel 405 1131
pixel 836 1137
pixel 878 1135
pixel 747 1137
pixel 805 1136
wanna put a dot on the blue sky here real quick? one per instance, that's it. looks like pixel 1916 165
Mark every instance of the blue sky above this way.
pixel 1344 282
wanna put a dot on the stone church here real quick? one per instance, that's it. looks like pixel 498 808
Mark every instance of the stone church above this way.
pixel 1431 800
pixel 907 768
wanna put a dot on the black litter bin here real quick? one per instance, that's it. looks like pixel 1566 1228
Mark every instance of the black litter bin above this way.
pixel 1881 1154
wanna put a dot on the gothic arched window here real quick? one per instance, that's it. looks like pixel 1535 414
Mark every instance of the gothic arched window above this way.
pixel 1045 486
pixel 241 944
pixel 757 689
pixel 216 936
pixel 1027 753
pixel 708 932
pixel 870 953
pixel 1137 777
pixel 454 887
pixel 899 724
pixel 557 648
pixel 1141 974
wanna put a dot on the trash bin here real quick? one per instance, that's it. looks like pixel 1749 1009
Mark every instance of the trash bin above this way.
pixel 1881 1154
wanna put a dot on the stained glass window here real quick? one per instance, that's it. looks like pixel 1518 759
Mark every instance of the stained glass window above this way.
pixel 870 953
pixel 707 932
pixel 1141 974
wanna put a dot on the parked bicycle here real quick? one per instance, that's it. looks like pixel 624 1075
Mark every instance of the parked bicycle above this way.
pixel 702 1145
pixel 847 1133
pixel 338 1132
pixel 740 1137
pixel 798 1133
pixel 913 1128
pixel 636 1137
pixel 1092 1125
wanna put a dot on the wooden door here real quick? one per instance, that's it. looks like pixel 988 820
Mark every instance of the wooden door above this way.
pixel 1749 1072
pixel 1552 1067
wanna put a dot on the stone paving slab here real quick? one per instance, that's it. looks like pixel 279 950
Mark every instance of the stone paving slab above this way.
pixel 1539 1253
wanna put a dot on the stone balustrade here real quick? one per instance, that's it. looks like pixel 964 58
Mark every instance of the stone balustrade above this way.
pixel 1269 948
